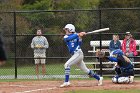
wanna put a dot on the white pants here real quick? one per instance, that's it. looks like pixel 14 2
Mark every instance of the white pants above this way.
pixel 77 59
pixel 42 61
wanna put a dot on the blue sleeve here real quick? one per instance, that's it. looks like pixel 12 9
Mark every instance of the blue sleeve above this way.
pixel 113 59
pixel 71 37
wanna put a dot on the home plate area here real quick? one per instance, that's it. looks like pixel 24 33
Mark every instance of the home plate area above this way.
pixel 40 86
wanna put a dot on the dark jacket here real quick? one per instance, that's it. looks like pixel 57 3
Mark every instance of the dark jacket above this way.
pixel 113 46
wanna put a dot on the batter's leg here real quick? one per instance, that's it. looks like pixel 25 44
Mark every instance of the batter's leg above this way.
pixel 77 57
pixel 83 67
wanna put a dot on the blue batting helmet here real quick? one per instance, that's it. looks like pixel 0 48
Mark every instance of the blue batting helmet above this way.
pixel 118 52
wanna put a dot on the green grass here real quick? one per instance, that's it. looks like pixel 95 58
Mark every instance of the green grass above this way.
pixel 106 91
pixel 53 69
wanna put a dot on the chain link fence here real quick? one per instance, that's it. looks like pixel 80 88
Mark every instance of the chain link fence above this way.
pixel 19 27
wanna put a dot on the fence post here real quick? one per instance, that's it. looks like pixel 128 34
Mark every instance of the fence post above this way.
pixel 100 25
pixel 15 44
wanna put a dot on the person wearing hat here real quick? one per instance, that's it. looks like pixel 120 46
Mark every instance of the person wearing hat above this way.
pixel 129 46
pixel 124 69
pixel 73 41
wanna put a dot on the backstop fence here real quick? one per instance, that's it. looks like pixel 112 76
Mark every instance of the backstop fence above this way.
pixel 19 27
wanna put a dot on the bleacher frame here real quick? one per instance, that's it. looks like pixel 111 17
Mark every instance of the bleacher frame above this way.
pixel 105 43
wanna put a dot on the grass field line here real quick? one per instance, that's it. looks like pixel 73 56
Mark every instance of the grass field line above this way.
pixel 35 90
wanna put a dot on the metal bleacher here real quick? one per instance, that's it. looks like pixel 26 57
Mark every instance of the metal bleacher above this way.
pixel 108 66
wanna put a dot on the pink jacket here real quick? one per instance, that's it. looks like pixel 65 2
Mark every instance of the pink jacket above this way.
pixel 132 46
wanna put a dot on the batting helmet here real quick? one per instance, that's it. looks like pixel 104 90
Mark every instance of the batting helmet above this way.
pixel 118 52
pixel 70 27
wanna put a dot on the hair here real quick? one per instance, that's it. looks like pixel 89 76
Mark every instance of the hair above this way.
pixel 116 35
pixel 40 30
pixel 130 35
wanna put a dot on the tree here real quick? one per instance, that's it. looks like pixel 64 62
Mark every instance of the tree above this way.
pixel 121 20
pixel 119 3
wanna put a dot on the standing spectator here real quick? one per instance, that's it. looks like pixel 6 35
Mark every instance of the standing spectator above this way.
pixel 129 46
pixel 3 57
pixel 40 44
pixel 114 44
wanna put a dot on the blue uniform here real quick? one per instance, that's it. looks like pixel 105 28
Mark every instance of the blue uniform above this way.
pixel 73 43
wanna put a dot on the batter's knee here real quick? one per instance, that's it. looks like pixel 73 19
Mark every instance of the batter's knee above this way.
pixel 66 65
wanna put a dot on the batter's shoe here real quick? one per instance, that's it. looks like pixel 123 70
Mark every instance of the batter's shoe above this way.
pixel 65 84
pixel 100 82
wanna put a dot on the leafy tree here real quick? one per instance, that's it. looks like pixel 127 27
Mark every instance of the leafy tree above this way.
pixel 121 20
pixel 119 3
pixel 30 1
pixel 53 22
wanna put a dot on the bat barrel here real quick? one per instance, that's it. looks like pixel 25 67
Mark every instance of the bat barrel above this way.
pixel 97 31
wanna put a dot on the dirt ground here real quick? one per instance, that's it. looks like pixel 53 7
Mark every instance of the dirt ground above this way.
pixel 53 86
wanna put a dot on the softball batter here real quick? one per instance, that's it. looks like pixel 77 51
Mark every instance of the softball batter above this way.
pixel 73 41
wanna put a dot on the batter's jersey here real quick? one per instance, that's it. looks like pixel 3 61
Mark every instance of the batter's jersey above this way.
pixel 73 42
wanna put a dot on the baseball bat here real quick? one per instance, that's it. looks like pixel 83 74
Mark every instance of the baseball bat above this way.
pixel 97 31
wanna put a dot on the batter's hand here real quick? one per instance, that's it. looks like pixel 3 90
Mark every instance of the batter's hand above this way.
pixel 81 34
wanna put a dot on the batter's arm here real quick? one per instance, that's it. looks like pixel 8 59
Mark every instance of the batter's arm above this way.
pixel 71 37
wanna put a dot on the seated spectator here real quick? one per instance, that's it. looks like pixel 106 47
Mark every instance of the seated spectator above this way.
pixel 129 46
pixel 114 44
